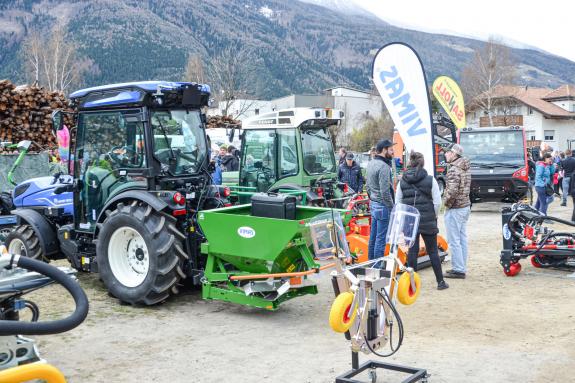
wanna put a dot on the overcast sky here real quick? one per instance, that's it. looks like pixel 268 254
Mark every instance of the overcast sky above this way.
pixel 547 25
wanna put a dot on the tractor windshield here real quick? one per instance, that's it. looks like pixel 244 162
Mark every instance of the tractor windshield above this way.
pixel 179 140
pixel 318 152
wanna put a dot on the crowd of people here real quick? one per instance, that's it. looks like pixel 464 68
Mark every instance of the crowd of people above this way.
pixel 226 160
pixel 420 190
pixel 552 176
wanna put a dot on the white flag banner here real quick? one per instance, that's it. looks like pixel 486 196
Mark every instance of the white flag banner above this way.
pixel 399 77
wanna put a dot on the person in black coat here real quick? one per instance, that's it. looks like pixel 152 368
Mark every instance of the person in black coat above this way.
pixel 420 190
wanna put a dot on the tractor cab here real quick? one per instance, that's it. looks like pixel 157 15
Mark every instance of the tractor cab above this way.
pixel 291 150
pixel 136 137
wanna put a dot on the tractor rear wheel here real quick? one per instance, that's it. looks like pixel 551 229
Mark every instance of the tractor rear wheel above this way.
pixel 140 254
pixel 24 241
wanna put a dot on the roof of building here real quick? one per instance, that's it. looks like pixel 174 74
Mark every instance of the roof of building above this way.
pixel 347 87
pixel 537 98
pixel 563 92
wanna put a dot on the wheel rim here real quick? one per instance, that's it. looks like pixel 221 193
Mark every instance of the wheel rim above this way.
pixel 128 257
pixel 17 247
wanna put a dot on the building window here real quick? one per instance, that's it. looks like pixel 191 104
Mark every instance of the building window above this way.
pixel 530 135
pixel 257 112
pixel 549 135
pixel 530 110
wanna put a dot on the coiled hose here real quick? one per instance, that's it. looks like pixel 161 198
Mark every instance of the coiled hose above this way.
pixel 51 327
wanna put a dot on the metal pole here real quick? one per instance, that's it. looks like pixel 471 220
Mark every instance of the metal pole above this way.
pixel 354 360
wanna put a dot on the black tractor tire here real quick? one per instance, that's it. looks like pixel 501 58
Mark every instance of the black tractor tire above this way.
pixel 165 249
pixel 29 243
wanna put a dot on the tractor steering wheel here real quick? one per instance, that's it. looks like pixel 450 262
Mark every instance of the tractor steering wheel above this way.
pixel 119 155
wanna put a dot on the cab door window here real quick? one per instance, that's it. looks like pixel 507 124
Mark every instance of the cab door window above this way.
pixel 288 163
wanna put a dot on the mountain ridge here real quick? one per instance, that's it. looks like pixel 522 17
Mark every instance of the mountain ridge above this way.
pixel 295 47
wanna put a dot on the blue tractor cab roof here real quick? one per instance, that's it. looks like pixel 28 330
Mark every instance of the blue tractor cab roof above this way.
pixel 130 93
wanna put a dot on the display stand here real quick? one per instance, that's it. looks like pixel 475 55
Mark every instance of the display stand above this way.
pixel 415 374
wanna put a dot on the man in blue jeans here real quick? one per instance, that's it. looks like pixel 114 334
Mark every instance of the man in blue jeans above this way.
pixel 458 209
pixel 379 190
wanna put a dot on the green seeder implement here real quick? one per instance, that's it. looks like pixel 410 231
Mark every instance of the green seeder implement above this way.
pixel 259 261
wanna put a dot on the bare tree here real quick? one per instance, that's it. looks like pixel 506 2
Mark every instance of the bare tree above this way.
pixel 195 70
pixel 491 68
pixel 228 73
pixel 372 130
pixel 32 48
pixel 53 61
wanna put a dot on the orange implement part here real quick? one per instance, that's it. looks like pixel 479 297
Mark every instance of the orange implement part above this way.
pixel 280 275
pixel 32 371
pixel 358 245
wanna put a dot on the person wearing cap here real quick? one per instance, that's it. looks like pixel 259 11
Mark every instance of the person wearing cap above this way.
pixel 349 172
pixel 379 189
pixel 458 208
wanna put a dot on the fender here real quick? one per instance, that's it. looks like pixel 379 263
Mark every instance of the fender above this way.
pixel 42 227
pixel 141 195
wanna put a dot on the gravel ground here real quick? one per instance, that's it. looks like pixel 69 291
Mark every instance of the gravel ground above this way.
pixel 486 328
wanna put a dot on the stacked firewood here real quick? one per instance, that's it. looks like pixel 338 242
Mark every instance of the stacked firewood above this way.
pixel 25 115
pixel 222 122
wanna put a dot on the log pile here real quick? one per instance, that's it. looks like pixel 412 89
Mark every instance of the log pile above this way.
pixel 223 122
pixel 25 114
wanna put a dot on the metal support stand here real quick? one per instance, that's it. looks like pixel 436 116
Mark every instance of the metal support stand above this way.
pixel 415 374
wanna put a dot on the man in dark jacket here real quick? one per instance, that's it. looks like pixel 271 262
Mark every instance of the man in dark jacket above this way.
pixel 568 166
pixel 230 162
pixel 458 209
pixel 349 172
pixel 379 189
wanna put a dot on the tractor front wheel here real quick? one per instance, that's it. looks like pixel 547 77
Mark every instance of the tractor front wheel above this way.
pixel 140 254
pixel 24 241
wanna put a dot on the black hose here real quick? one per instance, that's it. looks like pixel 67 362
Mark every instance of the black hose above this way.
pixel 399 326
pixel 52 327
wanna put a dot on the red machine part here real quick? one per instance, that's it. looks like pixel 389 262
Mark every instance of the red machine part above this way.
pixel 514 269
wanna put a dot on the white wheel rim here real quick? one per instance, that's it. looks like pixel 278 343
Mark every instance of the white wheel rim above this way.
pixel 17 247
pixel 128 257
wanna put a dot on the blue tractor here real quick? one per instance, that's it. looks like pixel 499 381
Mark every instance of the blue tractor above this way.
pixel 40 212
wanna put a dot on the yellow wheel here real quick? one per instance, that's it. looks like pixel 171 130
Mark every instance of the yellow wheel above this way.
pixel 342 315
pixel 405 293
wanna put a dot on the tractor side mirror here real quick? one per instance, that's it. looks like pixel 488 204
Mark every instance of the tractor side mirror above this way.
pixel 57 121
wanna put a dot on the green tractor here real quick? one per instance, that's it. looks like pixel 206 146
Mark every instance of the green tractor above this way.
pixel 140 176
pixel 290 151
pixel 147 216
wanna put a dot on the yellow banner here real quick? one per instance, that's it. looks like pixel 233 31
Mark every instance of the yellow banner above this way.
pixel 447 92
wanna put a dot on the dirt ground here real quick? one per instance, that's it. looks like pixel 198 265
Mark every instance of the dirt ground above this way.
pixel 486 328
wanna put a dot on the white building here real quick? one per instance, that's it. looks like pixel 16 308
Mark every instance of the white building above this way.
pixel 240 109
pixel 547 115
pixel 356 105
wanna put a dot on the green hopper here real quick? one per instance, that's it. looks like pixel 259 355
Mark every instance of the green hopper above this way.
pixel 258 261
